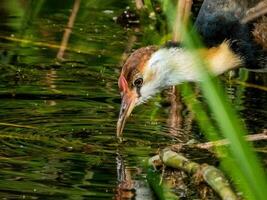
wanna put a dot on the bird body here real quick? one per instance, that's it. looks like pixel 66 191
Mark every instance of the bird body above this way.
pixel 228 44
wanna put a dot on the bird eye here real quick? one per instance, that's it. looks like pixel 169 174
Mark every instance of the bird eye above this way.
pixel 138 82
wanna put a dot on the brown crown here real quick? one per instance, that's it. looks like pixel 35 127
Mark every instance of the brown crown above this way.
pixel 135 63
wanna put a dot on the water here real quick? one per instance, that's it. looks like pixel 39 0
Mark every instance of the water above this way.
pixel 58 118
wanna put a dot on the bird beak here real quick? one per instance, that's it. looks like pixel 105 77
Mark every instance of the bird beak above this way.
pixel 127 106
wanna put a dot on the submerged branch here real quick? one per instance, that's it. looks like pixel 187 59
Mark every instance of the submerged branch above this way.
pixel 211 175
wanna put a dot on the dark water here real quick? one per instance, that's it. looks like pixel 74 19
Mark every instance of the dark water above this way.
pixel 58 118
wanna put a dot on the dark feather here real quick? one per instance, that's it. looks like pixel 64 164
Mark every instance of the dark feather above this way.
pixel 221 20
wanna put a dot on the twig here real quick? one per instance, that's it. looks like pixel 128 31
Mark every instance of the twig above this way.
pixel 43 44
pixel 211 175
pixel 178 21
pixel 139 4
pixel 208 145
pixel 24 41
pixel 68 30
pixel 16 125
pixel 187 12
pixel 182 17
pixel 256 137
pixel 257 11
pixel 250 85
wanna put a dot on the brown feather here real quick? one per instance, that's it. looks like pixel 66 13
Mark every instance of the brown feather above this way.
pixel 136 62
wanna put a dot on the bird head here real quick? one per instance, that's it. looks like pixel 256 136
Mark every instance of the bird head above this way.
pixel 135 83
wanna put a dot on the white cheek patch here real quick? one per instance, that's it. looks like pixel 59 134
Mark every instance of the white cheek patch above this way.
pixel 166 67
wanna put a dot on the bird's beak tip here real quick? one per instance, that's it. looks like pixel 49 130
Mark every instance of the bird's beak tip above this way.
pixel 127 105
pixel 120 127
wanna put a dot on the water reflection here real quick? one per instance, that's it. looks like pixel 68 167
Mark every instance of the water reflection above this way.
pixel 129 187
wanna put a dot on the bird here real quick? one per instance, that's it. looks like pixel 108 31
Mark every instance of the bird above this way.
pixel 229 44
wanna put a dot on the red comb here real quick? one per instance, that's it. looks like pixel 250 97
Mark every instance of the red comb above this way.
pixel 123 85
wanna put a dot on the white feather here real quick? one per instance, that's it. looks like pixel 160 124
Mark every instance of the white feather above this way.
pixel 171 66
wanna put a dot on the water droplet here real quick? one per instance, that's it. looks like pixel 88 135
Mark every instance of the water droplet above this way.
pixel 70 148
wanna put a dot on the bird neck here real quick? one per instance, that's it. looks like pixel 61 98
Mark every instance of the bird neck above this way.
pixel 175 65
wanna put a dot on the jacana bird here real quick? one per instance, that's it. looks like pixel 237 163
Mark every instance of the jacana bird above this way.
pixel 229 44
